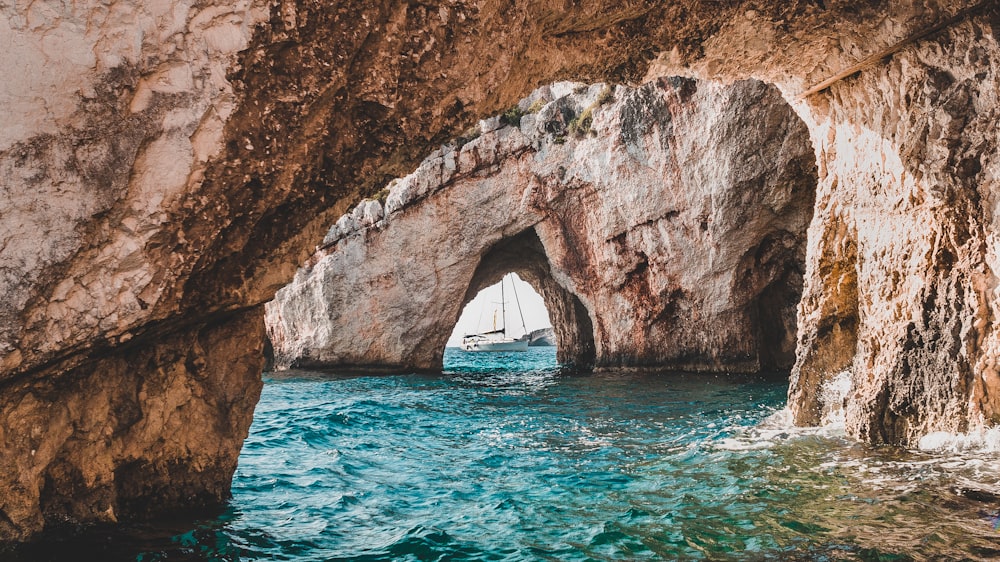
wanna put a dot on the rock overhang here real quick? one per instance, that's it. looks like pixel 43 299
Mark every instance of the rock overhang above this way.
pixel 319 110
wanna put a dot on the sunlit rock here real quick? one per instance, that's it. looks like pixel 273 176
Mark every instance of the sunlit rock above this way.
pixel 664 226
pixel 901 286
pixel 167 166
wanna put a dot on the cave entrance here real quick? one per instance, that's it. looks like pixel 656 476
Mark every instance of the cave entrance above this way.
pixel 544 301
pixel 522 316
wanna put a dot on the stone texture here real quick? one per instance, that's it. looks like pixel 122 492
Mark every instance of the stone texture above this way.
pixel 542 337
pixel 113 114
pixel 100 444
pixel 664 225
pixel 901 287
pixel 170 164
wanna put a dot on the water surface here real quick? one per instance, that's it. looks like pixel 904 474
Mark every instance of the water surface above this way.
pixel 507 457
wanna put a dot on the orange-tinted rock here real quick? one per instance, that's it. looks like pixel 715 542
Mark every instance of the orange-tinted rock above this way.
pixel 167 167
pixel 664 224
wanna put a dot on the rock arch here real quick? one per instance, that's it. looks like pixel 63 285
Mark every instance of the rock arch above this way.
pixel 671 226
pixel 524 254
pixel 158 191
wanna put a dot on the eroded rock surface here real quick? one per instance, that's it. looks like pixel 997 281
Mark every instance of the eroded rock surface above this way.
pixel 167 166
pixel 901 289
pixel 674 214
pixel 100 444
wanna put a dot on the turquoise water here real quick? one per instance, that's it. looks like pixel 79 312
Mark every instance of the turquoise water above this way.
pixel 511 458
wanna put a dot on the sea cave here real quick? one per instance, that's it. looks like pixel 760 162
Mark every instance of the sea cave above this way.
pixel 202 202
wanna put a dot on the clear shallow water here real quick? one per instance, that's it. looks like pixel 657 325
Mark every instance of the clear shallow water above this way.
pixel 510 458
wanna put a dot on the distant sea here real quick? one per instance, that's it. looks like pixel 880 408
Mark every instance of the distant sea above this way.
pixel 510 457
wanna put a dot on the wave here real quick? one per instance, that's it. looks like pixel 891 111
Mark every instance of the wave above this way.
pixel 980 441
pixel 780 425
pixel 833 394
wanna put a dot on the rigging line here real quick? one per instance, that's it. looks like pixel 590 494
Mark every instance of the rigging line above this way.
pixel 873 59
pixel 479 323
pixel 519 311
pixel 503 308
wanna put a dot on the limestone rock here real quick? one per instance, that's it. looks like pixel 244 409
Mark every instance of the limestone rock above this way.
pixel 372 213
pixel 116 447
pixel 901 285
pixel 542 337
pixel 168 166
pixel 665 229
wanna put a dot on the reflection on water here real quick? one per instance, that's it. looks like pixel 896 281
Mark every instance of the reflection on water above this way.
pixel 523 461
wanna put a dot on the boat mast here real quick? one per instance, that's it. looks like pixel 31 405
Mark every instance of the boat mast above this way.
pixel 519 311
pixel 503 308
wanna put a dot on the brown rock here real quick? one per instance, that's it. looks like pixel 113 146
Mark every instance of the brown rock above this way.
pixel 100 444
pixel 900 283
pixel 664 226
pixel 167 167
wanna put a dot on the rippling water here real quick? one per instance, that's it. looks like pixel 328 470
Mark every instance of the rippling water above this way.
pixel 510 458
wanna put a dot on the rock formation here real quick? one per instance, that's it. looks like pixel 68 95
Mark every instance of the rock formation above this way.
pixel 167 167
pixel 542 337
pixel 664 225
pixel 901 285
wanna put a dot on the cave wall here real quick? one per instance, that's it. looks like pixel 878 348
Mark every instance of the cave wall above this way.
pixel 170 165
pixel 668 212
pixel 902 288
pixel 100 444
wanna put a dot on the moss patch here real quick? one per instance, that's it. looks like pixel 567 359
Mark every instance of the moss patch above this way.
pixel 581 124
pixel 512 116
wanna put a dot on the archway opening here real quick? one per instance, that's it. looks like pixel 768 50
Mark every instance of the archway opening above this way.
pixel 505 327
pixel 511 307
pixel 524 256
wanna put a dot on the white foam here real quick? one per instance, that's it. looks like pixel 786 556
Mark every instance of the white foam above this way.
pixel 774 429
pixel 781 419
pixel 980 441
pixel 780 425
pixel 833 394
pixel 732 444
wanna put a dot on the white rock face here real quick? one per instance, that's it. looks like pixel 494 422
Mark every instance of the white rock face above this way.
pixel 665 229
pixel 110 109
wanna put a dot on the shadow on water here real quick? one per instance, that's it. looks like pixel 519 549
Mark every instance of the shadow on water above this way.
pixel 191 536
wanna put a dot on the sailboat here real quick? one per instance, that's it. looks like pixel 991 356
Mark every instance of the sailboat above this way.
pixel 496 339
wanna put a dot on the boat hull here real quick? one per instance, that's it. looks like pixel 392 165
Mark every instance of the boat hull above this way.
pixel 476 346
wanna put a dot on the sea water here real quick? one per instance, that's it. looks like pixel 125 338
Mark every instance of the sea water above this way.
pixel 510 457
